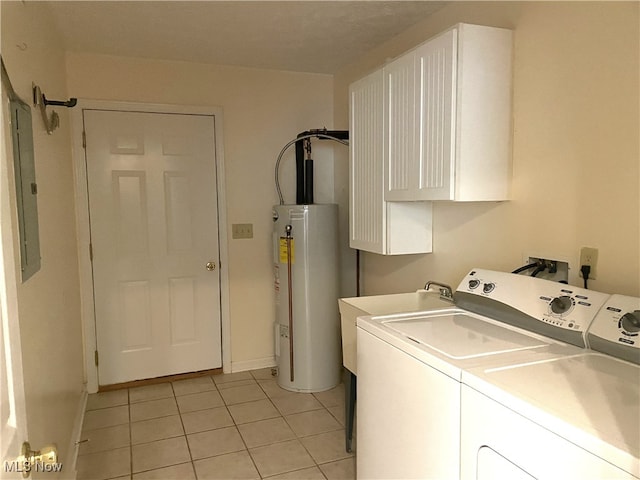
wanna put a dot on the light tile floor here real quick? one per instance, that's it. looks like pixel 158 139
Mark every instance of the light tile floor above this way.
pixel 234 426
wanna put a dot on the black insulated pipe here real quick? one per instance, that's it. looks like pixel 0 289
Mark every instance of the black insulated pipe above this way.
pixel 339 134
pixel 308 174
pixel 308 182
pixel 304 168
pixel 300 170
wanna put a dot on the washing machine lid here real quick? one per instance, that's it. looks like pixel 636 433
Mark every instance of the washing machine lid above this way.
pixel 461 336
pixel 591 399
pixel 451 340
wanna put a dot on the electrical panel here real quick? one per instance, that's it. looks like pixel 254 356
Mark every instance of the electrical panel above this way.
pixel 26 188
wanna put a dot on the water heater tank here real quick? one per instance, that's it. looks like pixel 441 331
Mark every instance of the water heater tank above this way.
pixel 307 328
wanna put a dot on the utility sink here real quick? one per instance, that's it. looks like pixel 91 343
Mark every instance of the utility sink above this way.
pixel 354 307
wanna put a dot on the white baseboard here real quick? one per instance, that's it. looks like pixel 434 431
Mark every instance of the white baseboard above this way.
pixel 253 364
pixel 70 461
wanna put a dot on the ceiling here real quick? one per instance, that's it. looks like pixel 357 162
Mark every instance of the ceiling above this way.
pixel 303 36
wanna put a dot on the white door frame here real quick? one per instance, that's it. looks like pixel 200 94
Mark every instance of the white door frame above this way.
pixel 84 234
pixel 9 281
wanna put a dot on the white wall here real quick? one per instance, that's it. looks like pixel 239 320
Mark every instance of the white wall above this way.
pixel 576 141
pixel 263 110
pixel 48 303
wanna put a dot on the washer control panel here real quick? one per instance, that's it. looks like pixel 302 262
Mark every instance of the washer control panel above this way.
pixel 557 304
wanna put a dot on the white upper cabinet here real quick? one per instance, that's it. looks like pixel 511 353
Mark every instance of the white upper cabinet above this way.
pixel 436 79
pixel 447 116
pixel 366 199
pixel 400 119
pixel 433 124
pixel 375 225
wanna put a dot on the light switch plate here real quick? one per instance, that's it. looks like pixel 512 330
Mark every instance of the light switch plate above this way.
pixel 242 230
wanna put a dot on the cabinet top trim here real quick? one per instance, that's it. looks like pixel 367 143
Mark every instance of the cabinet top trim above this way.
pixel 459 27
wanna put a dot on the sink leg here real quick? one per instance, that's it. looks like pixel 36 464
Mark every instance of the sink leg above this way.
pixel 349 408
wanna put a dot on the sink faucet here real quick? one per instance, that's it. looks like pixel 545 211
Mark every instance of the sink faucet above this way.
pixel 445 290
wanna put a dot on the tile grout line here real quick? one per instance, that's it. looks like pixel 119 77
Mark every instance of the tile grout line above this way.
pixel 297 437
pixel 177 436
pixel 305 447
pixel 226 407
pixel 184 431
pixel 130 436
pixel 245 443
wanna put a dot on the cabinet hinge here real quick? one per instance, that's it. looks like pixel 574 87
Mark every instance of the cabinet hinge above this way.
pixel 91 252
pixel 95 356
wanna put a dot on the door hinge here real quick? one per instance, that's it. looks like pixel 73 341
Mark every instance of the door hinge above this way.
pixel 95 356
pixel 91 252
pixel 84 139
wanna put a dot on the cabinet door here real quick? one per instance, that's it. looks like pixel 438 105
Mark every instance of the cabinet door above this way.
pixel 436 80
pixel 367 219
pixel 400 152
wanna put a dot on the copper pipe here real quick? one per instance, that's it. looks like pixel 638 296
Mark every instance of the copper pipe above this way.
pixel 290 291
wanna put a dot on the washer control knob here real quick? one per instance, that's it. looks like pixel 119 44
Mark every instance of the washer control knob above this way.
pixel 631 322
pixel 488 287
pixel 473 284
pixel 561 304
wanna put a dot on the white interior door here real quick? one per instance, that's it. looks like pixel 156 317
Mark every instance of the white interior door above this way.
pixel 13 419
pixel 13 428
pixel 154 234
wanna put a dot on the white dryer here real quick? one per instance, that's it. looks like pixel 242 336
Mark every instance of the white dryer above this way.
pixel 575 417
pixel 410 366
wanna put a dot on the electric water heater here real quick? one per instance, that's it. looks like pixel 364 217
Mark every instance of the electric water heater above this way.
pixel 306 280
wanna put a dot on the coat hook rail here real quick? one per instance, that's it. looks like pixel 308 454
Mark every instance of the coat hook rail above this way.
pixel 40 100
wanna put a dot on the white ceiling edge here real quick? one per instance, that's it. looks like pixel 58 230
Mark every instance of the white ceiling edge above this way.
pixel 301 36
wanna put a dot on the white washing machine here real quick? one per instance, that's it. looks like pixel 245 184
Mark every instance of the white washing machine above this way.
pixel 410 366
pixel 575 417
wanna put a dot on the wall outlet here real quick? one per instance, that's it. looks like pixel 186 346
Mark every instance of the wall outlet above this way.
pixel 242 230
pixel 589 256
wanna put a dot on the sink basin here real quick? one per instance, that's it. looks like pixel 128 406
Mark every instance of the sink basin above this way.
pixel 354 307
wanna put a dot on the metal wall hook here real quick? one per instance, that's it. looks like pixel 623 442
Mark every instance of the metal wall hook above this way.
pixel 69 103
pixel 39 100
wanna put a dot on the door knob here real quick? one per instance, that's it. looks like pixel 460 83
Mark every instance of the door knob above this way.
pixel 211 266
pixel 43 460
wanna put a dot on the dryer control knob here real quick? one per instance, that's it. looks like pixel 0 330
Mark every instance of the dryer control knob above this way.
pixel 561 304
pixel 473 284
pixel 631 322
